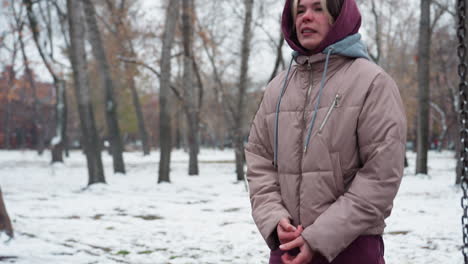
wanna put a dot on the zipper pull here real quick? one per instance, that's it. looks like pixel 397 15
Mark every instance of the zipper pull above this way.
pixel 337 100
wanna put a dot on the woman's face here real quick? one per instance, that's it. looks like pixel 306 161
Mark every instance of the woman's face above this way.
pixel 312 23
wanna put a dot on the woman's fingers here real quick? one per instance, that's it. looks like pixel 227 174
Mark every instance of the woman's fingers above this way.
pixel 285 237
pixel 287 259
pixel 298 242
pixel 301 258
pixel 286 225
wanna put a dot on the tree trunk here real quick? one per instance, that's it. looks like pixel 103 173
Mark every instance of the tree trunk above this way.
pixel 90 139
pixel 178 128
pixel 126 48
pixel 5 223
pixel 279 56
pixel 130 70
pixel 238 133
pixel 113 128
pixel 57 141
pixel 6 120
pixel 65 123
pixel 378 32
pixel 172 14
pixel 38 123
pixel 423 91
pixel 193 137
pixel 137 105
pixel 190 104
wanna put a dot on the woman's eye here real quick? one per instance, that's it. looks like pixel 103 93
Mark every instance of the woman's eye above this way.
pixel 318 9
pixel 300 11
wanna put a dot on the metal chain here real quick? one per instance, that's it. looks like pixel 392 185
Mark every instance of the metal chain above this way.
pixel 462 67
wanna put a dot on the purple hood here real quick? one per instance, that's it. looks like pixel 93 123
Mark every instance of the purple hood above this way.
pixel 347 23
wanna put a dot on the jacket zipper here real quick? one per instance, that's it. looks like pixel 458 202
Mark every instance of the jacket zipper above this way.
pixel 309 89
pixel 334 105
pixel 304 129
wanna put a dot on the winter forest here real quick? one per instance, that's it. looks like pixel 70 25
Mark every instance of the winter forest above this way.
pixel 123 125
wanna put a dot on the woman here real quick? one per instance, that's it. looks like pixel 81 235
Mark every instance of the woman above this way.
pixel 326 147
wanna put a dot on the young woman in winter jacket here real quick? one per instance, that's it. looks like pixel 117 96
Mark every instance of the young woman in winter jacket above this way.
pixel 326 147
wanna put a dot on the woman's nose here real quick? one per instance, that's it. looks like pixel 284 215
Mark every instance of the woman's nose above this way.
pixel 308 15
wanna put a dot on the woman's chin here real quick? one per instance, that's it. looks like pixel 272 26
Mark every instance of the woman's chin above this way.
pixel 309 45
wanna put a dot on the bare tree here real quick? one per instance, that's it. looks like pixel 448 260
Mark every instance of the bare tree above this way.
pixel 10 87
pixel 110 105
pixel 279 56
pixel 423 83
pixel 57 76
pixel 190 100
pixel 378 32
pixel 238 133
pixel 5 222
pixel 123 35
pixel 38 123
pixel 442 120
pixel 172 14
pixel 90 139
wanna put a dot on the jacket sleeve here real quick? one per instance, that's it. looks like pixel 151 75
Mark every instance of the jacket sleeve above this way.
pixel 262 176
pixel 381 133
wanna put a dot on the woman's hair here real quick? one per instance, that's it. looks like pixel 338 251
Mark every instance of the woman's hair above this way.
pixel 331 7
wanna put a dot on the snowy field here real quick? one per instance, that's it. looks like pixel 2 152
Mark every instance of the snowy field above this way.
pixel 203 219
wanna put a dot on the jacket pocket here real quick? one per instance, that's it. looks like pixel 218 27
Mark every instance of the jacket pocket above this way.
pixel 335 104
pixel 337 172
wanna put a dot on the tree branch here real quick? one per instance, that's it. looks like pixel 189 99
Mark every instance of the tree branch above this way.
pixel 174 89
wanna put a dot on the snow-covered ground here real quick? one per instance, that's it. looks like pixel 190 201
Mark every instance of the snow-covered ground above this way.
pixel 204 219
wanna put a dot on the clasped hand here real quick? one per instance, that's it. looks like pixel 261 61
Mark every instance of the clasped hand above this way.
pixel 290 238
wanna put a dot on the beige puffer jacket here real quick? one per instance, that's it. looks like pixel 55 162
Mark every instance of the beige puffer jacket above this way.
pixel 344 184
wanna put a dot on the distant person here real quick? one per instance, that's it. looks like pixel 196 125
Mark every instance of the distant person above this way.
pixel 326 147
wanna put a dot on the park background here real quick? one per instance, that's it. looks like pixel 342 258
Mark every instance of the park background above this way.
pixel 161 94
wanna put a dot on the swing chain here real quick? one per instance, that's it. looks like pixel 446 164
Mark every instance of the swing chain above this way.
pixel 462 68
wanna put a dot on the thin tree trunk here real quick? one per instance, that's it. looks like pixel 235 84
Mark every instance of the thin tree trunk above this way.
pixel 138 111
pixel 6 121
pixel 443 124
pixel 279 56
pixel 38 124
pixel 423 91
pixel 172 14
pixel 238 135
pixel 57 141
pixel 65 122
pixel 37 118
pixel 130 70
pixel 378 33
pixel 113 128
pixel 178 128
pixel 190 105
pixel 90 139
pixel 193 136
pixel 5 223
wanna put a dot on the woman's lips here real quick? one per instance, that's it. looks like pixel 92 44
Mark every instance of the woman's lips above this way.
pixel 308 32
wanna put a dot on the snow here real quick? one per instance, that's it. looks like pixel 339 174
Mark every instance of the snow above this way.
pixel 204 219
pixel 56 140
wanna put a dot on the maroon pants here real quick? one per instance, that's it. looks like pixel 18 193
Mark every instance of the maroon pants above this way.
pixel 363 250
